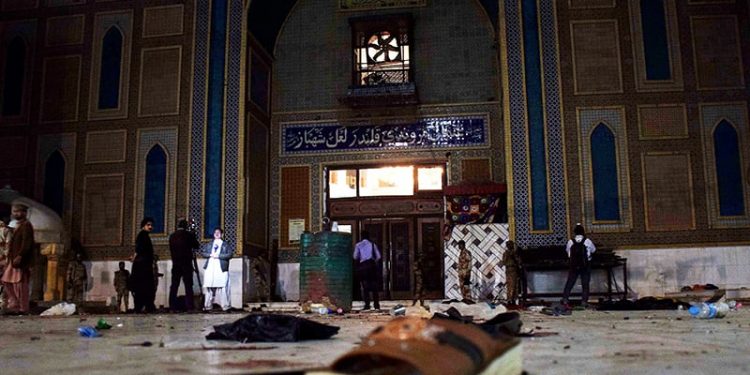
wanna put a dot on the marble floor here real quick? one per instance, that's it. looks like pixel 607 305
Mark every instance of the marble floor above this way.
pixel 587 342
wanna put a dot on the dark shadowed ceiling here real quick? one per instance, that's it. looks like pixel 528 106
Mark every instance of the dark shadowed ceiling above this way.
pixel 266 17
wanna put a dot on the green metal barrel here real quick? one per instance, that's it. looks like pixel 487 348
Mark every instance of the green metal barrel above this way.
pixel 326 268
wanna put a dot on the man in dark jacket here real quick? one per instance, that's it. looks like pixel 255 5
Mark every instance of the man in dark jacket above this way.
pixel 181 245
pixel 16 276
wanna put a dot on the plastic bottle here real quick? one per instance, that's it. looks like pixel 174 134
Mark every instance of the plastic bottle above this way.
pixel 709 310
pixel 88 331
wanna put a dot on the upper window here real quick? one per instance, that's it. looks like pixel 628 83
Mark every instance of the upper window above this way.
pixel 382 51
pixel 109 82
pixel 15 63
pixel 655 40
pixel 385 181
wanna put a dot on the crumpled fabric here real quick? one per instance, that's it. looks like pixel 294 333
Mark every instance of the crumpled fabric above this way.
pixel 272 328
pixel 61 309
pixel 504 323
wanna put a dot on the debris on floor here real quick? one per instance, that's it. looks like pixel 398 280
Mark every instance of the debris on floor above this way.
pixel 61 309
pixel 272 328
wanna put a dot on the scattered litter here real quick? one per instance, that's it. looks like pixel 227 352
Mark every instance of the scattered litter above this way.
pixel 61 309
pixel 557 310
pixel 398 310
pixel 478 311
pixel 626 318
pixel 272 328
pixel 709 310
pixel 535 308
pixel 102 324
pixel 35 338
pixel 119 325
pixel 418 311
pixel 88 331
pixel 147 343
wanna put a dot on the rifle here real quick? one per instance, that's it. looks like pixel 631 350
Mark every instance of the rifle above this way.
pixel 193 228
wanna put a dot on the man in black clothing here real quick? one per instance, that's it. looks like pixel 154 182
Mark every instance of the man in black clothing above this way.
pixel 181 245
pixel 579 250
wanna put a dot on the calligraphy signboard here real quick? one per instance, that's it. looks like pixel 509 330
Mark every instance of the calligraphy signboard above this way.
pixel 426 133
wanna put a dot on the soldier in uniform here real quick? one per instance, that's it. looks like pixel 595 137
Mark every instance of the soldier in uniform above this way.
pixel 512 263
pixel 259 277
pixel 76 279
pixel 419 262
pixel 121 286
pixel 464 270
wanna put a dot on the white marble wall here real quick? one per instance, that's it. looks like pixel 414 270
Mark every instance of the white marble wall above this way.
pixel 654 272
pixel 101 278
pixel 287 286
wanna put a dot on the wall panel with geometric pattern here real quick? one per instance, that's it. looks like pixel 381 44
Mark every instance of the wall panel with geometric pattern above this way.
pixel 668 191
pixel 102 210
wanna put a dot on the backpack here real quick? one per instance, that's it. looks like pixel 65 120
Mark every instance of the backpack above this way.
pixel 578 253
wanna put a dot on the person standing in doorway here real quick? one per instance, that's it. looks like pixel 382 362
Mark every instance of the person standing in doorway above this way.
pixel 216 276
pixel 579 250
pixel 20 258
pixel 366 255
pixel 181 245
pixel 142 278
pixel 464 270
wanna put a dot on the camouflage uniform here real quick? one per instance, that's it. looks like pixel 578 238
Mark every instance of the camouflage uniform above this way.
pixel 418 282
pixel 76 279
pixel 259 278
pixel 464 272
pixel 512 263
pixel 121 286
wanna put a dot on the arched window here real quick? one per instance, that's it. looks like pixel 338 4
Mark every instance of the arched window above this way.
pixel 15 64
pixel 728 170
pixel 154 195
pixel 109 74
pixel 655 44
pixel 54 182
pixel 604 174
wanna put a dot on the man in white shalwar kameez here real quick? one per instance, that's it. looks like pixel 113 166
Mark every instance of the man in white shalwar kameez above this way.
pixel 216 276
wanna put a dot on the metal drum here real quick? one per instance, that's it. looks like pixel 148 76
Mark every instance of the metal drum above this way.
pixel 326 268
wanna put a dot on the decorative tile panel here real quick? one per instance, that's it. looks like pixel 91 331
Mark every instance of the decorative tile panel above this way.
pixel 103 200
pixel 61 84
pixel 106 146
pixel 716 46
pixel 159 89
pixel 662 121
pixel 63 31
pixel 486 242
pixel 518 127
pixel 66 145
pixel 668 191
pixel 379 4
pixel 123 21
pixel 163 21
pixel 674 83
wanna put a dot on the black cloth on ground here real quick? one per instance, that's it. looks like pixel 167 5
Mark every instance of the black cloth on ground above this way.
pixel 272 328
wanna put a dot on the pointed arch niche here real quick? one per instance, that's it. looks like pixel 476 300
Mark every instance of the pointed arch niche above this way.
pixel 55 150
pixel 156 172
pixel 725 131
pixel 605 180
pixel 110 67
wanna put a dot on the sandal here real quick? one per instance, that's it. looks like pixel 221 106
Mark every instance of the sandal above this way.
pixel 414 346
